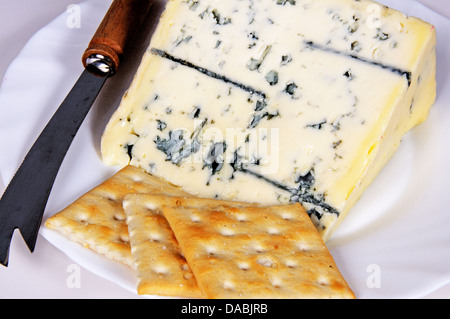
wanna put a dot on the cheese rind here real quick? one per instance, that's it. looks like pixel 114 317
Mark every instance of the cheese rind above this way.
pixel 276 101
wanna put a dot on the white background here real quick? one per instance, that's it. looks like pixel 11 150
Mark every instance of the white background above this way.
pixel 47 273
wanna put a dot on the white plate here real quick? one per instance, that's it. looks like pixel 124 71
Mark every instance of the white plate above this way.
pixel 394 243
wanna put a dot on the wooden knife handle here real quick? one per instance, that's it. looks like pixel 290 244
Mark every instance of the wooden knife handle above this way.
pixel 120 24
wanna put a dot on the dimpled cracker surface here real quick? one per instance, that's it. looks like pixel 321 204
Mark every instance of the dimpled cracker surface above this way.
pixel 160 265
pixel 96 220
pixel 253 252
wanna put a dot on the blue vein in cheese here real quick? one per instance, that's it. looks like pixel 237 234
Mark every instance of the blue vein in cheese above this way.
pixel 207 72
pixel 398 71
pixel 300 194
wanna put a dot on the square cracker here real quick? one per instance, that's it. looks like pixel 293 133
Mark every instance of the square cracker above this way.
pixel 96 220
pixel 252 252
pixel 161 268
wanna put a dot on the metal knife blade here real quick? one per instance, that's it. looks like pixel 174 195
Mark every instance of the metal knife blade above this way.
pixel 23 202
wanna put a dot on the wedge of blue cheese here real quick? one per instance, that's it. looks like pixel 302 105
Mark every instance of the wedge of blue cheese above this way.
pixel 276 101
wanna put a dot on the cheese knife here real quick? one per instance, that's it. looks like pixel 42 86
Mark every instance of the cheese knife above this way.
pixel 23 202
